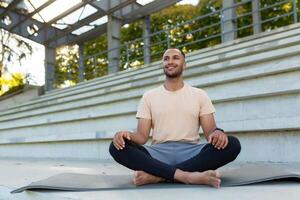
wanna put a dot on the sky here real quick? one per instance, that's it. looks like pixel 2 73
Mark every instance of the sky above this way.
pixel 194 2
pixel 34 65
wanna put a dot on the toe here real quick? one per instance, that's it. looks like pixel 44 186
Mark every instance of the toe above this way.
pixel 217 183
pixel 218 175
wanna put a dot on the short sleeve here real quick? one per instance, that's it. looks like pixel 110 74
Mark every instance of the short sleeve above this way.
pixel 206 106
pixel 144 110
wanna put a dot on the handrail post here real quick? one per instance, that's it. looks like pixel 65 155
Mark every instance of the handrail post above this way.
pixel 295 11
pixel 81 63
pixel 228 22
pixel 127 53
pixel 168 40
pixel 113 40
pixel 50 54
pixel 95 67
pixel 256 16
pixel 146 35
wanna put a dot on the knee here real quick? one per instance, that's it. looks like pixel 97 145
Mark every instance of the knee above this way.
pixel 235 145
pixel 115 153
pixel 113 150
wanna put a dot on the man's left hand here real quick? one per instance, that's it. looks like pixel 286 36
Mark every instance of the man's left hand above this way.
pixel 218 139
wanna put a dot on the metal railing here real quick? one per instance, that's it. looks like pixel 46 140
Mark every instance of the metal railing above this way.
pixel 132 52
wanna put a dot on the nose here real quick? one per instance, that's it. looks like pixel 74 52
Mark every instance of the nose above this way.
pixel 170 61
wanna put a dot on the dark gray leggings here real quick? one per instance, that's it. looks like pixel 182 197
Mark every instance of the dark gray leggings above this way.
pixel 136 157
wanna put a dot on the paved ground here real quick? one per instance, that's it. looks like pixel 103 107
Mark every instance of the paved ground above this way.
pixel 17 173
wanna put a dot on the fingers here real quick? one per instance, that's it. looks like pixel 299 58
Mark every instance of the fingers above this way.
pixel 225 143
pixel 127 135
pixel 119 141
pixel 214 139
pixel 219 140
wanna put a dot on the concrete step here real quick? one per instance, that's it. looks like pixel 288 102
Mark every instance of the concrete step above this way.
pixel 219 53
pixel 289 53
pixel 253 82
pixel 218 74
pixel 264 39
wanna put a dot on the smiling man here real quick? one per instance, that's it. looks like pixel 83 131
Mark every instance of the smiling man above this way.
pixel 174 112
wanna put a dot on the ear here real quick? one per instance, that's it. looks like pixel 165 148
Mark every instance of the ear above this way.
pixel 184 65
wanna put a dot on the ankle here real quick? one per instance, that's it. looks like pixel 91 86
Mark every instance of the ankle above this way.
pixel 181 176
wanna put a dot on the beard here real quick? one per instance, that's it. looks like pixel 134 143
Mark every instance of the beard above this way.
pixel 174 74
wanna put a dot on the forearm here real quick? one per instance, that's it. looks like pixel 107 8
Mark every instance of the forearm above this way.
pixel 209 131
pixel 138 138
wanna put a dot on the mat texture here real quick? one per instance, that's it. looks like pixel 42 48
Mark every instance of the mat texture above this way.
pixel 244 175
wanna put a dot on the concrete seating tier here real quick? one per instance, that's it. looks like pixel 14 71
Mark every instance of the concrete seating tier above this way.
pixel 254 83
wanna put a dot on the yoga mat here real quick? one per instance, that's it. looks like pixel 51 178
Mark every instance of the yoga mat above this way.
pixel 252 174
pixel 84 182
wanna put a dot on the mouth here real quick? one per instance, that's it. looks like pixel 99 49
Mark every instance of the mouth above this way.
pixel 170 68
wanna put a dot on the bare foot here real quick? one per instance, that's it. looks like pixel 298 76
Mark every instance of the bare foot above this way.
pixel 209 177
pixel 143 178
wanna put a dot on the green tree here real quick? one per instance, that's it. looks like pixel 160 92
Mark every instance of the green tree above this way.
pixel 11 83
pixel 200 32
pixel 95 57
pixel 12 48
pixel 274 14
pixel 131 51
pixel 66 67
pixel 174 35
pixel 244 19
pixel 282 13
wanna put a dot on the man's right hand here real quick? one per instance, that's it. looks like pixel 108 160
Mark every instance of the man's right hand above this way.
pixel 118 140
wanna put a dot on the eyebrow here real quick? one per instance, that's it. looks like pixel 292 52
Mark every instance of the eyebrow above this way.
pixel 167 56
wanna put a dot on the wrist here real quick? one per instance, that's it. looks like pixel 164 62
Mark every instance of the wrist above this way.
pixel 218 129
pixel 215 129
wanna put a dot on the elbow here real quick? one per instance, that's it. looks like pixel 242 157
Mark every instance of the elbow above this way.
pixel 142 139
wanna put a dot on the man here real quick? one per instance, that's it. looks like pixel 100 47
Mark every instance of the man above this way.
pixel 174 112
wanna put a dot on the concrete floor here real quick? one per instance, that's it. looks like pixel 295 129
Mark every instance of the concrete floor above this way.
pixel 17 173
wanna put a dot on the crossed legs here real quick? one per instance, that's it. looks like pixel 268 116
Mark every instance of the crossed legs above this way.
pixel 200 169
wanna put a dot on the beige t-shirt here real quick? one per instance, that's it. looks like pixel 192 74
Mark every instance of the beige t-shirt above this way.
pixel 175 115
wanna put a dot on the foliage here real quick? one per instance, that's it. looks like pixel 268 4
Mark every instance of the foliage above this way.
pixel 12 48
pixel 131 51
pixel 11 82
pixel 209 36
pixel 174 35
pixel 67 68
pixel 277 12
pixel 244 19
pixel 200 32
pixel 96 65
pixel 173 31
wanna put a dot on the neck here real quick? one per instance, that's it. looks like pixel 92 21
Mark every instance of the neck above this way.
pixel 173 84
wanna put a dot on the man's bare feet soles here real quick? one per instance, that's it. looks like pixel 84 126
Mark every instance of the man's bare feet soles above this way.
pixel 143 178
pixel 209 177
